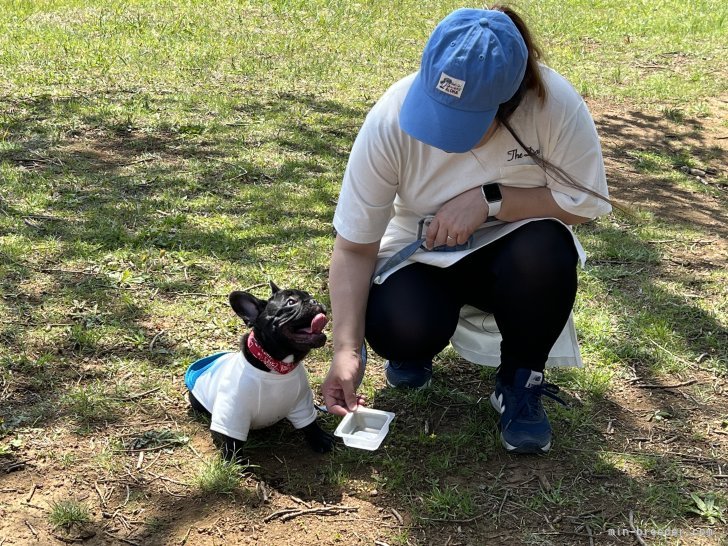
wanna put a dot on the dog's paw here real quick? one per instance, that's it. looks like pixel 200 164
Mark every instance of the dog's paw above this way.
pixel 318 439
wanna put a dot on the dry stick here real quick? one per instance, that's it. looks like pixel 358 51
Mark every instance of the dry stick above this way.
pixel 32 529
pixel 184 539
pixel 445 520
pixel 397 516
pixel 32 492
pixel 195 452
pixel 142 449
pixel 673 386
pixel 140 395
pixel 290 513
pixel 326 510
pixel 635 531
pixel 279 513
pixel 98 491
pixel 154 339
pixel 500 508
pixel 679 359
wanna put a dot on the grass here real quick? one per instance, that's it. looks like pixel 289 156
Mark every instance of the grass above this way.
pixel 154 157
pixel 67 513
pixel 218 476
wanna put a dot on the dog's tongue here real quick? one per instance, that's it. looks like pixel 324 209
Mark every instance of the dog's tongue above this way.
pixel 318 323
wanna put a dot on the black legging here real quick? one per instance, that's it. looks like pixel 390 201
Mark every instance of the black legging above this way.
pixel 527 280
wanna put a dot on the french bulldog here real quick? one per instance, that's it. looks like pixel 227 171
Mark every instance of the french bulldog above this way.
pixel 265 381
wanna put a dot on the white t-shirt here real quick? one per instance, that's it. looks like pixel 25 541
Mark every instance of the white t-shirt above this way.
pixel 393 180
pixel 241 397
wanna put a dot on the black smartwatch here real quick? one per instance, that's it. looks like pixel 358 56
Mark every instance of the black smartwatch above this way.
pixel 492 196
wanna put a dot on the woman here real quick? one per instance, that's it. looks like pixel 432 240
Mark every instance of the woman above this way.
pixel 502 155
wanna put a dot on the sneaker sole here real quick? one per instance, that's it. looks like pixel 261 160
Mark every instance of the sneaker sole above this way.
pixel 525 448
pixel 423 386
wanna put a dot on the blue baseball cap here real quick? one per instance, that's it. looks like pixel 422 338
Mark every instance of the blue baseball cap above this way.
pixel 473 62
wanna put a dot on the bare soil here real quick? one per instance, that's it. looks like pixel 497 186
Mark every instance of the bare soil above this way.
pixel 148 498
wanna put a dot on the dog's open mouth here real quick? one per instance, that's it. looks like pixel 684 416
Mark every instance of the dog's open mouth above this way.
pixel 312 333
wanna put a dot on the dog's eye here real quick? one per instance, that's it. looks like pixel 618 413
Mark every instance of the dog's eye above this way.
pixel 291 301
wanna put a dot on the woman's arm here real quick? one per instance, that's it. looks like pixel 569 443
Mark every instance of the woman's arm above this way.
pixel 463 214
pixel 522 203
pixel 352 266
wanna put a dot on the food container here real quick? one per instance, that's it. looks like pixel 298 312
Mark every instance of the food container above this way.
pixel 364 428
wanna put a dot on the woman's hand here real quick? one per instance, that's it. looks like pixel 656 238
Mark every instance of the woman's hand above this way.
pixel 457 219
pixel 339 387
pixel 352 266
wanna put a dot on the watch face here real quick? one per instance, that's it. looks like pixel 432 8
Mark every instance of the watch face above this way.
pixel 492 193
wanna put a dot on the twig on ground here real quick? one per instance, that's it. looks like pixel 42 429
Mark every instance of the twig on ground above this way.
pixel 184 538
pixel 139 395
pixel 142 449
pixel 445 520
pixel 101 497
pixel 32 529
pixel 589 532
pixel 300 501
pixel 673 386
pixel 503 502
pixel 142 160
pixel 262 492
pixel 637 536
pixel 397 516
pixel 32 492
pixel 676 357
pixel 195 452
pixel 290 513
pixel 155 338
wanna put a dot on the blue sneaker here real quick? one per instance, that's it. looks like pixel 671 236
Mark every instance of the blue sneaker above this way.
pixel 408 375
pixel 524 426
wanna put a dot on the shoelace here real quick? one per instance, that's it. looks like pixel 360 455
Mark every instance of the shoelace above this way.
pixel 530 398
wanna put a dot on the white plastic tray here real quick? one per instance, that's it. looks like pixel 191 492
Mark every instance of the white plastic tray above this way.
pixel 364 428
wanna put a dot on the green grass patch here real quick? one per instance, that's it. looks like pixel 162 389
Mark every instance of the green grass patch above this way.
pixel 154 157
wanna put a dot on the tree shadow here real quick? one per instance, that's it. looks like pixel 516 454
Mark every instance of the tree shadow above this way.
pixel 115 185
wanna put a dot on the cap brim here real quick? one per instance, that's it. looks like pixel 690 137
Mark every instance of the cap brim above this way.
pixel 441 126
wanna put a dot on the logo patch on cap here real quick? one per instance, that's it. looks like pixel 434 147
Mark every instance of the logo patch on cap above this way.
pixel 451 86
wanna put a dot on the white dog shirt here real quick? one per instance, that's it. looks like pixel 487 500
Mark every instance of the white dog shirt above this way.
pixel 241 397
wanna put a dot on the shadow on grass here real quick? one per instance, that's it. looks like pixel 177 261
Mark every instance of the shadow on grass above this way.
pixel 99 187
pixel 92 188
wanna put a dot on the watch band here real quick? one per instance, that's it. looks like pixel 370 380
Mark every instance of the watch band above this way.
pixel 492 195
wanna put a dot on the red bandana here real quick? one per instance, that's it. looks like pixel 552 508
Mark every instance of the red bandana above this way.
pixel 276 365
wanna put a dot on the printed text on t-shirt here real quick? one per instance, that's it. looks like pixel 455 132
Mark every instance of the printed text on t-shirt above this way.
pixel 516 154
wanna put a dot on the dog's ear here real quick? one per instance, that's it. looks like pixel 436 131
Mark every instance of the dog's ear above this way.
pixel 246 306
pixel 273 288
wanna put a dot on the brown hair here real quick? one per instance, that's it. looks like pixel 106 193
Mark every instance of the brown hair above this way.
pixel 533 82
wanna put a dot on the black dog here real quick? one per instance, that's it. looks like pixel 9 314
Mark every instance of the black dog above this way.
pixel 264 382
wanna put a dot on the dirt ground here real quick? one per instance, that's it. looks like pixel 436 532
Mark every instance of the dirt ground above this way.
pixel 147 499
